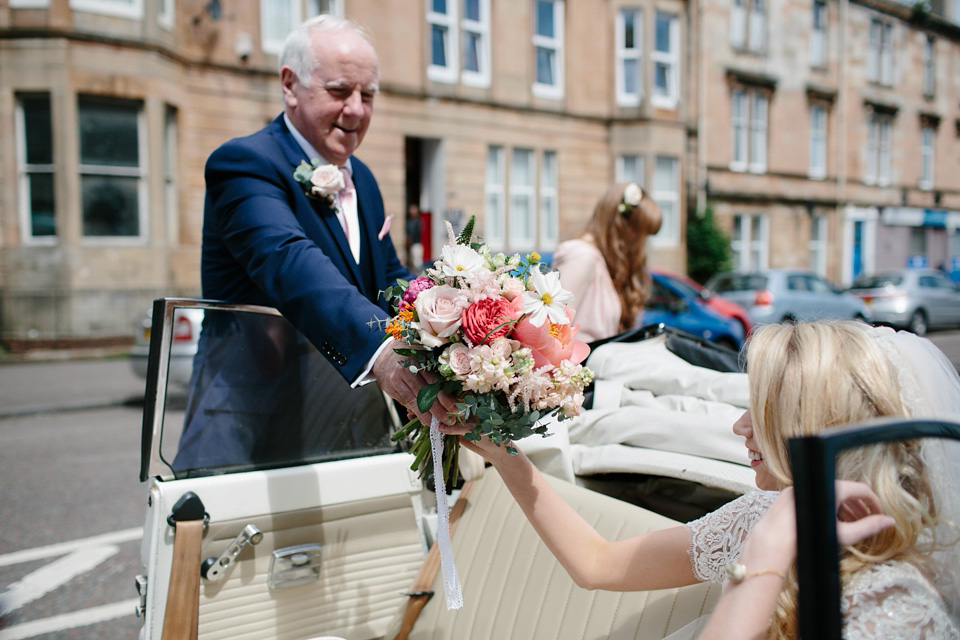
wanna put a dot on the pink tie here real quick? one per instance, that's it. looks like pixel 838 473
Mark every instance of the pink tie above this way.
pixel 346 199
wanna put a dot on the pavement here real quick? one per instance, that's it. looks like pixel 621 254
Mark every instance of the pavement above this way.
pixel 67 384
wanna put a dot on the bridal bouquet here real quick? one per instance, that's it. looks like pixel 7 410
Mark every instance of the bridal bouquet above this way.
pixel 499 334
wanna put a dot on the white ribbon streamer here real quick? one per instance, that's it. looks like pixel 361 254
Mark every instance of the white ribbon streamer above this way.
pixel 451 581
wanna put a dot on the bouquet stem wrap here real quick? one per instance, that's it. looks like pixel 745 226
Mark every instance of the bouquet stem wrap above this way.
pixel 451 580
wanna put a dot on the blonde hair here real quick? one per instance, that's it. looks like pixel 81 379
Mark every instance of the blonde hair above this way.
pixel 807 377
pixel 620 233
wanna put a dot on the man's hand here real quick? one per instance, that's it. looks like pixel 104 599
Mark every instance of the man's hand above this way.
pixel 401 384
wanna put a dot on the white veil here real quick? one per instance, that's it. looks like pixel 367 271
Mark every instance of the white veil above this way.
pixel 930 388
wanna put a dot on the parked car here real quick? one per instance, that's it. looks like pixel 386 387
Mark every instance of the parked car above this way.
pixel 787 295
pixel 718 303
pixel 675 304
pixel 914 299
pixel 186 335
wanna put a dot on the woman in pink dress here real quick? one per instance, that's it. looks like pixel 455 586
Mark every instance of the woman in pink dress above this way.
pixel 605 268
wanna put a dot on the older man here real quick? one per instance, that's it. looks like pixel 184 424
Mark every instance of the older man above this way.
pixel 321 262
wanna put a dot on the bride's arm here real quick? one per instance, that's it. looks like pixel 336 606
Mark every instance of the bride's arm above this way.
pixel 654 560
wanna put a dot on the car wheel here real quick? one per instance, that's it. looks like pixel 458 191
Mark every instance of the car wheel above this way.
pixel 918 323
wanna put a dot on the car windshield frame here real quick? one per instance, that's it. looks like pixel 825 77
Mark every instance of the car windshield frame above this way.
pixel 879 281
pixel 302 416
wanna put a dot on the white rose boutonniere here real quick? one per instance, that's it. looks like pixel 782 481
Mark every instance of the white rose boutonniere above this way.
pixel 632 195
pixel 320 181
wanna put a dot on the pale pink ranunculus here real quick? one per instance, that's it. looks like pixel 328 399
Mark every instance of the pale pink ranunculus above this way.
pixel 439 310
pixel 489 319
pixel 552 343
pixel 512 287
pixel 460 357
pixel 504 347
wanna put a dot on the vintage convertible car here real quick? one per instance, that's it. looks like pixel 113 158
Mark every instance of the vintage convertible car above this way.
pixel 279 508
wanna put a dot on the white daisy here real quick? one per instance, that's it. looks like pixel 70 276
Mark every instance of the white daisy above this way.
pixel 548 300
pixel 459 260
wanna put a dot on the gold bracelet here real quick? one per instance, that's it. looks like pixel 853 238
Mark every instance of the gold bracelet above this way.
pixel 737 573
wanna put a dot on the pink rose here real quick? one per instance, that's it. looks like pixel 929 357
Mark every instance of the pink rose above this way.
pixel 488 319
pixel 418 286
pixel 326 180
pixel 552 343
pixel 438 314
pixel 460 357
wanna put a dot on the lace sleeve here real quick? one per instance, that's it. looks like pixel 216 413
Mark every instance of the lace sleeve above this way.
pixel 718 537
pixel 895 601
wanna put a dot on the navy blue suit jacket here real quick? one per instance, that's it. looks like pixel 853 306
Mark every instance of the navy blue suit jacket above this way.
pixel 265 242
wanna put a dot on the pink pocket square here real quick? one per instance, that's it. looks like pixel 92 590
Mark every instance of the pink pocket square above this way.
pixel 385 229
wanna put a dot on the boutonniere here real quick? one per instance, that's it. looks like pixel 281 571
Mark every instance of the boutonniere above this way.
pixel 320 181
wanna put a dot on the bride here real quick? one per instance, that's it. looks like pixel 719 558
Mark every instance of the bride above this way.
pixel 803 378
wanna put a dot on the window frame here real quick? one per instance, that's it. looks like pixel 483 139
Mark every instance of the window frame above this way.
pixel 817 245
pixel 446 73
pixel 750 129
pixel 26 169
pixel 928 154
pixel 745 247
pixel 131 9
pixel 139 174
pixel 880 52
pixel 625 55
pixel 481 29
pixel 669 200
pixel 548 220
pixel 670 98
pixel 273 43
pixel 819 128
pixel 929 66
pixel 527 192
pixel 638 176
pixel 495 217
pixel 556 45
pixel 877 171
pixel 819 34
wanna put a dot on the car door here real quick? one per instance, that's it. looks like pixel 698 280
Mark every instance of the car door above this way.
pixel 313 523
pixel 941 298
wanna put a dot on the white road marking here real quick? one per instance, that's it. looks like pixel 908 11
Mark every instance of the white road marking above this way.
pixel 81 618
pixel 58 573
pixel 63 548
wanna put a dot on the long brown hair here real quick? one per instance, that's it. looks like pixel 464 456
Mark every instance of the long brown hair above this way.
pixel 620 233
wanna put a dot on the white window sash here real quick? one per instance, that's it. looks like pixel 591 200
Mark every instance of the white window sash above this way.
pixel 818 143
pixel 494 192
pixel 928 154
pixel 757 33
pixel 132 9
pixel 669 96
pixel 481 30
pixel 886 55
pixel 758 133
pixel 738 24
pixel 521 234
pixel 929 68
pixel 873 50
pixel 870 167
pixel 274 26
pixel 631 168
pixel 24 171
pixel 625 55
pixel 448 23
pixel 883 153
pixel 666 193
pixel 553 45
pixel 549 205
pixel 740 136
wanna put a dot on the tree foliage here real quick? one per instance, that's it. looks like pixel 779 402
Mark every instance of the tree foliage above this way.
pixel 708 247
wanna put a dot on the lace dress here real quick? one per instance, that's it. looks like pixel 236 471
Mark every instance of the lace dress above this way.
pixel 893 600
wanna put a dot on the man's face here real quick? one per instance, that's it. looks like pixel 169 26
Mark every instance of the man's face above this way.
pixel 333 113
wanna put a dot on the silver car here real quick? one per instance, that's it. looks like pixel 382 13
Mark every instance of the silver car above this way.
pixel 186 335
pixel 914 299
pixel 787 295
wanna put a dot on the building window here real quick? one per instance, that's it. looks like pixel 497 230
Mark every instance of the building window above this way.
pixel 548 48
pixel 878 149
pixel 818 142
pixel 522 207
pixel 277 20
pixel 443 41
pixel 749 130
pixel 629 43
pixel 880 52
pixel 111 180
pixel 36 168
pixel 666 61
pixel 748 25
pixel 929 67
pixel 495 204
pixel 476 42
pixel 549 206
pixel 631 168
pixel 818 35
pixel 818 245
pixel 927 154
pixel 121 8
pixel 29 4
pixel 666 193
pixel 165 13
pixel 332 7
pixel 749 243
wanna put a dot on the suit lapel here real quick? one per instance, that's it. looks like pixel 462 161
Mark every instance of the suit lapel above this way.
pixel 321 209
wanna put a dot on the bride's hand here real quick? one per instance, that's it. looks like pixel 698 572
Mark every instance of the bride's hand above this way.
pixel 483 446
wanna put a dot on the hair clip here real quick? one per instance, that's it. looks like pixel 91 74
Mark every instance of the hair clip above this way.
pixel 632 195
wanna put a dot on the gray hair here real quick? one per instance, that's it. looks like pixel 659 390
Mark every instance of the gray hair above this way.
pixel 297 52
